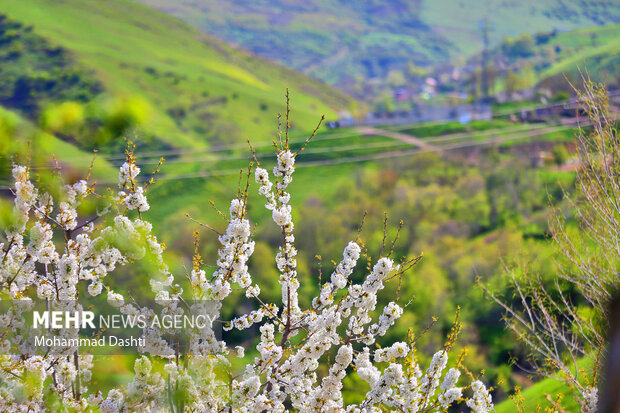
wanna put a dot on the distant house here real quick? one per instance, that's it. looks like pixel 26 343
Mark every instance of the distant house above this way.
pixel 401 94
pixel 425 113
pixel 518 95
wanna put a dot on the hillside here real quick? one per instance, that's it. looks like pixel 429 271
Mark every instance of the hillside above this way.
pixel 546 59
pixel 195 90
pixel 341 40
pixel 597 49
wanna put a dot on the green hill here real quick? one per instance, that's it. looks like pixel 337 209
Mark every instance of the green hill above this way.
pixel 341 40
pixel 195 90
pixel 597 49
pixel 547 58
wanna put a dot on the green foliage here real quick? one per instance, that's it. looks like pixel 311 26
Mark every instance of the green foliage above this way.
pixel 560 96
pixel 520 47
pixel 514 82
pixel 126 112
pixel 22 141
pixel 63 118
pixel 560 154
pixel 35 72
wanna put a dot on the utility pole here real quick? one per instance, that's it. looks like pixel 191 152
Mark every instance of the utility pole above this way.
pixel 484 74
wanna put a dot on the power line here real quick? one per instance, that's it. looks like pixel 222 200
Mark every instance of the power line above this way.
pixel 324 137
pixel 512 133
pixel 517 135
pixel 353 147
pixel 382 155
pixel 216 149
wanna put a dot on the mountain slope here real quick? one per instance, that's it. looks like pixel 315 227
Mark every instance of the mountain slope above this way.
pixel 547 59
pixel 594 49
pixel 337 40
pixel 199 90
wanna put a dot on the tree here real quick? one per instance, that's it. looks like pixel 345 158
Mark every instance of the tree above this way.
pixel 560 154
pixel 336 332
pixel 566 323
pixel 520 47
pixel 514 82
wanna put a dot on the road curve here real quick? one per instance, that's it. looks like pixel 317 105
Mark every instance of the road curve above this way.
pixel 420 143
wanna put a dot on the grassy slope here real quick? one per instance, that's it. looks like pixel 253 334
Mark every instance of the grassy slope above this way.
pixel 594 48
pixel 327 39
pixel 225 93
pixel 581 48
pixel 344 38
pixel 535 396
pixel 509 19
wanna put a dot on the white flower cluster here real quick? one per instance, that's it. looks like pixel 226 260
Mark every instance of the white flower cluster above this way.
pixel 25 195
pixel 33 261
pixel 127 174
pixel 137 200
pixel 278 203
pixel 450 393
pixel 396 350
pixel 233 255
pixel 339 277
pixel 364 299
pixel 410 390
pixel 131 194
pixel 590 399
pixel 481 400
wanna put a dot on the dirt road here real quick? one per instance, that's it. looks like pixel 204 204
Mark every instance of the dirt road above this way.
pixel 420 143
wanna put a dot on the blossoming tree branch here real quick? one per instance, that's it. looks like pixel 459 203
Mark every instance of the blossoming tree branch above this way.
pixel 49 252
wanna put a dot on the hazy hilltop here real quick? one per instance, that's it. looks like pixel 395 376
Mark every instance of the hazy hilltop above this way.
pixel 195 90
pixel 339 40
